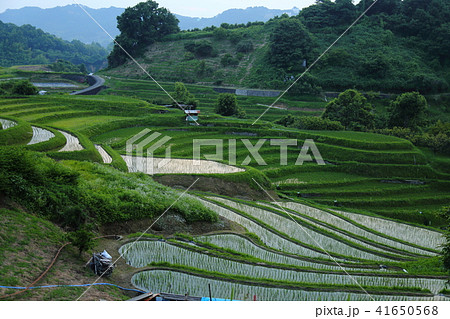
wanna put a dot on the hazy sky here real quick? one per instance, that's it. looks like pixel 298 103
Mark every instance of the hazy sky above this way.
pixel 192 8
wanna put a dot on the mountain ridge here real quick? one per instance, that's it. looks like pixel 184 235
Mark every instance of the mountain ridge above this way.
pixel 71 23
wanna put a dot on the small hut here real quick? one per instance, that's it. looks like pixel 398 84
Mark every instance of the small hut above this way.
pixel 192 115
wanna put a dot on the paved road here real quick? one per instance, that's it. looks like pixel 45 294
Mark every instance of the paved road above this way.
pixel 96 87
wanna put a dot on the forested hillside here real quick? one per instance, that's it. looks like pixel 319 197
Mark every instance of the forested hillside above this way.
pixel 399 46
pixel 28 45
pixel 71 23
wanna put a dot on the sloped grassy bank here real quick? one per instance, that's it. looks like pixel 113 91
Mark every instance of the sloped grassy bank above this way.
pixel 71 193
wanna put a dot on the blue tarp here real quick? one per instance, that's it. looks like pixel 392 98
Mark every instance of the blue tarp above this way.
pixel 215 299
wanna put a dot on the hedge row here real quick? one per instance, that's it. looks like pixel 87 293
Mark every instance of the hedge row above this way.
pixel 171 120
pixel 117 160
pixel 363 169
pixel 19 134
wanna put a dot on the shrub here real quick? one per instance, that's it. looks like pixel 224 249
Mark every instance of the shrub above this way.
pixel 310 123
pixel 408 110
pixel 71 193
pixel 220 33
pixel 438 142
pixel 83 239
pixel 201 48
pixel 182 95
pixel 245 46
pixel 14 87
pixel 352 110
pixel 227 104
pixel 229 60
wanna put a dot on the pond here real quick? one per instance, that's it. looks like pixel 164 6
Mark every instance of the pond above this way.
pixel 54 85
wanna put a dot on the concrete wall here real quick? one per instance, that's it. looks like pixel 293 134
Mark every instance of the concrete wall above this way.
pixel 243 92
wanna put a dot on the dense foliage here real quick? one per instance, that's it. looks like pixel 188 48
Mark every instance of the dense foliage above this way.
pixel 28 45
pixel 66 66
pixel 227 105
pixel 352 110
pixel 182 95
pixel 408 110
pixel 437 140
pixel 17 87
pixel 310 123
pixel 73 193
pixel 201 49
pixel 387 50
pixel 290 44
pixel 139 27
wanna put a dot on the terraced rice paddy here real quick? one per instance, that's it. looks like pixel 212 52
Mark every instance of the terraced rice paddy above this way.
pixel 294 230
pixel 72 143
pixel 419 236
pixel 177 166
pixel 6 124
pixel 268 237
pixel 245 246
pixel 303 255
pixel 40 135
pixel 286 259
pixel 182 283
pixel 107 159
pixel 343 224
pixel 143 253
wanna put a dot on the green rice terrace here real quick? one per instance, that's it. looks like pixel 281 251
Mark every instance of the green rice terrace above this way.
pixel 365 225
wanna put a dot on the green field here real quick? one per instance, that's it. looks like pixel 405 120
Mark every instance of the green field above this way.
pixel 366 176
pixel 358 163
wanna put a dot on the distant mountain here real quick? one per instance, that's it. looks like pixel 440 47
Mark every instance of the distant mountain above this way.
pixel 233 16
pixel 68 22
pixel 71 23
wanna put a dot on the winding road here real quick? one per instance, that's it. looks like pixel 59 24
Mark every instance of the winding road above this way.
pixel 96 86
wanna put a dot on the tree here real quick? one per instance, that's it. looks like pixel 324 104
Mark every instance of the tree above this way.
pixel 24 88
pixel 182 95
pixel 83 239
pixel 245 46
pixel 140 26
pixel 229 60
pixel 227 104
pixel 408 110
pixel 352 110
pixel 290 44
pixel 201 49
